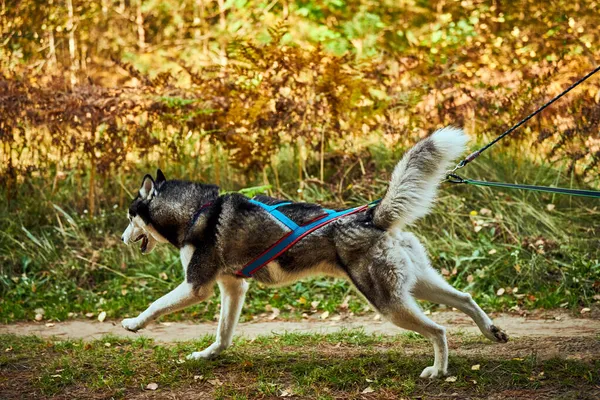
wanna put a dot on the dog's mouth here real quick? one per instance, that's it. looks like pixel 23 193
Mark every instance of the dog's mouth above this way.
pixel 144 240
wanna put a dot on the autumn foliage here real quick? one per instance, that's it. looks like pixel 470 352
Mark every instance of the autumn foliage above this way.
pixel 96 85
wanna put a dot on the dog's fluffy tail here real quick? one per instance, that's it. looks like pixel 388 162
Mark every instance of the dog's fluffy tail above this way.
pixel 416 178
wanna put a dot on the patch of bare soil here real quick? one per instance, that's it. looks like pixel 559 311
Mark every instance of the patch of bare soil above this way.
pixel 541 324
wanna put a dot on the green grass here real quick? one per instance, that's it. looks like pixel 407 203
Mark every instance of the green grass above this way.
pixel 317 366
pixel 55 258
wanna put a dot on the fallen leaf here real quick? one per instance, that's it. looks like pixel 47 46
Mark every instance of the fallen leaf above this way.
pixel 49 325
pixel 325 315
pixel 475 367
pixel 451 379
pixel 152 386
pixel 215 382
pixel 470 278
pixel 492 251
pixel 56 376
pixel 344 305
pixel 275 314
pixel 500 292
pixel 550 207
pixel 198 377
pixel 314 304
pixel 368 389
pixel 478 228
pixel 163 276
pixel 38 317
pixel 377 317
pixel 107 344
pixel 485 211
pixel 8 349
pixel 89 315
pixel 585 310
pixel 102 316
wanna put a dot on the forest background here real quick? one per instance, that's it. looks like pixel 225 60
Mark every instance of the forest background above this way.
pixel 315 99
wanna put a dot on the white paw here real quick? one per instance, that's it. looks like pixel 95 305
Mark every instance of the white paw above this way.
pixel 132 324
pixel 432 373
pixel 207 354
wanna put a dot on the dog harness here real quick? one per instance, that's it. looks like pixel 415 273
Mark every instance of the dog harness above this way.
pixel 296 233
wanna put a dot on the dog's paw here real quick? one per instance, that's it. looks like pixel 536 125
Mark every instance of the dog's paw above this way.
pixel 497 335
pixel 209 353
pixel 201 355
pixel 131 324
pixel 433 373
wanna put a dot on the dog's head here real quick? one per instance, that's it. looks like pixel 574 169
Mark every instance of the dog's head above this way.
pixel 140 224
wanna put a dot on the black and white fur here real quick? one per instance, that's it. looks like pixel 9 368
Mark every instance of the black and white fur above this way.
pixel 385 263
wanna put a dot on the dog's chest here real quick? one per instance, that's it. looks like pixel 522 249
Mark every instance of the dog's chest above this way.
pixel 185 255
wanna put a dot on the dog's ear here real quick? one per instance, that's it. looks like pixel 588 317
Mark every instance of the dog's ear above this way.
pixel 160 177
pixel 147 189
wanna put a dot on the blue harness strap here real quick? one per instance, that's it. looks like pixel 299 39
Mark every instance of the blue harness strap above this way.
pixel 276 213
pixel 296 233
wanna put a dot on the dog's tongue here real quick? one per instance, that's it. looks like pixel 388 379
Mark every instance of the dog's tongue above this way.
pixel 144 244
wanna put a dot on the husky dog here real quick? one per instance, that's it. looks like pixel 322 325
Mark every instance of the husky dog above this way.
pixel 217 235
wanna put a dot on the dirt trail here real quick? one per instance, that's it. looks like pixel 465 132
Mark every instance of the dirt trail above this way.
pixel 541 325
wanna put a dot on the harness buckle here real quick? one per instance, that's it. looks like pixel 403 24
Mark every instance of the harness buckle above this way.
pixel 453 178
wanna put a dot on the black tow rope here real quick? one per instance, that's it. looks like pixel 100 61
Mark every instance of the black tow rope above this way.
pixel 451 177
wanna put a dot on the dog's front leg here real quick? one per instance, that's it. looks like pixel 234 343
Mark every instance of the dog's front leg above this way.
pixel 181 297
pixel 233 291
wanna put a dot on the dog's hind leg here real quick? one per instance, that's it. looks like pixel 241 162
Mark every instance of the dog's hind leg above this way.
pixel 233 291
pixel 385 279
pixel 179 298
pixel 432 287
pixel 408 315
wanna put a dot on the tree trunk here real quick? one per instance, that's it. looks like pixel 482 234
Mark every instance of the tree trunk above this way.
pixel 139 20
pixel 72 49
pixel 52 62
